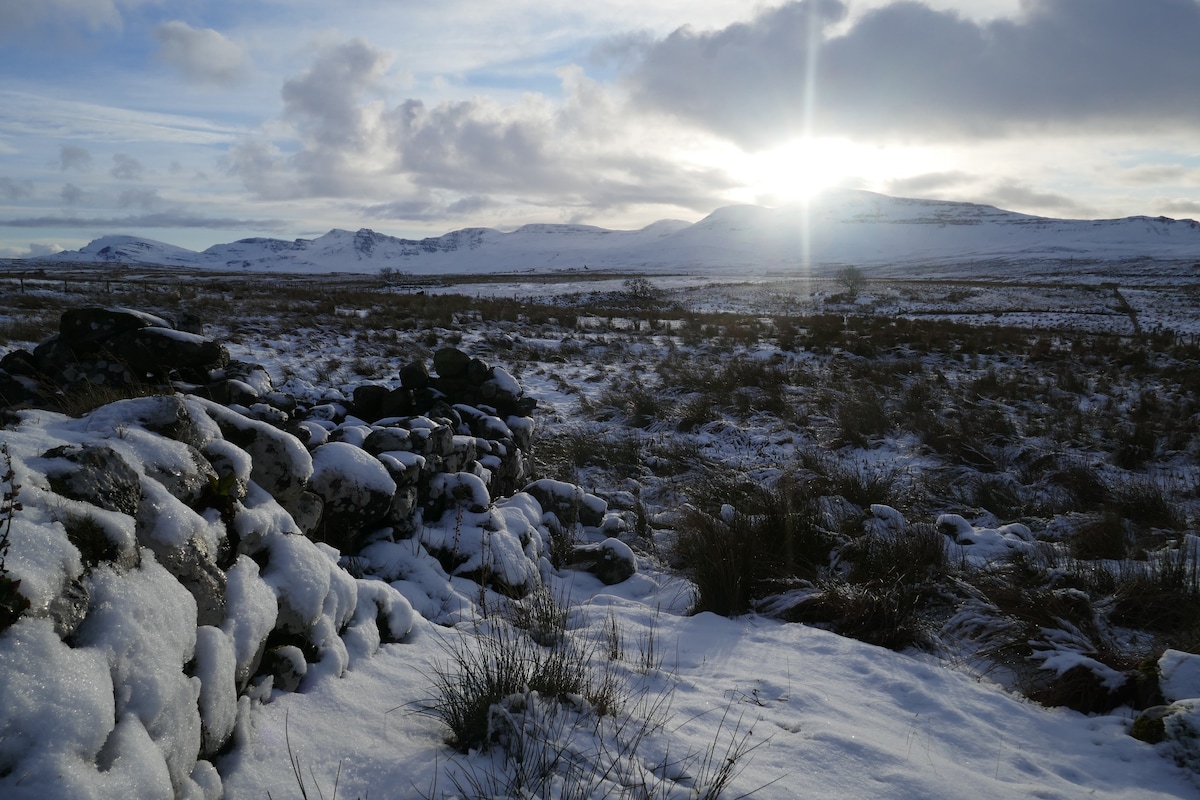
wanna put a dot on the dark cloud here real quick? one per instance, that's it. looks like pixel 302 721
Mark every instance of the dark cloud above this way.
pixel 145 199
pixel 426 210
pixel 1013 195
pixel 168 219
pixel 126 168
pixel 12 191
pixel 1158 174
pixel 202 55
pixel 546 154
pixel 470 205
pixel 71 156
pixel 905 70
pixel 71 195
pixel 921 185
pixel 1182 207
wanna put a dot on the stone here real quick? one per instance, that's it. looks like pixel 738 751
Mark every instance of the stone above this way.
pixel 161 351
pixel 450 362
pixel 382 440
pixel 414 376
pixel 88 329
pixel 612 561
pixel 95 474
pixel 196 571
pixel 568 502
pixel 368 401
pixel 282 465
pixel 357 491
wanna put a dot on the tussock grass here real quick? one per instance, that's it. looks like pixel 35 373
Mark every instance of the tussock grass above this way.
pixel 740 557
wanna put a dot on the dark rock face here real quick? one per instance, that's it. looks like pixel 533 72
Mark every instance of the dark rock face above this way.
pixel 96 475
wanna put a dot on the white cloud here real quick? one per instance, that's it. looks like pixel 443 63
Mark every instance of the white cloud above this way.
pixel 202 55
pixel 583 151
pixel 19 15
pixel 52 117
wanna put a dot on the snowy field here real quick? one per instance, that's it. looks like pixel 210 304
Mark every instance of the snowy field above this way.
pixel 965 410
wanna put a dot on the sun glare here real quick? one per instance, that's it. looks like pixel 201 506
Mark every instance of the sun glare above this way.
pixel 803 167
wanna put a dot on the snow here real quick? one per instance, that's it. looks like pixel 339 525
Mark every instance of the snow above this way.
pixel 344 469
pixel 828 716
pixel 1180 675
pixel 836 719
pixel 251 609
pixel 144 623
pixel 841 226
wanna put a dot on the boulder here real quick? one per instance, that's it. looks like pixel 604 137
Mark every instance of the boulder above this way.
pixel 86 330
pixel 450 362
pixel 94 473
pixel 162 351
pixel 612 561
pixel 357 491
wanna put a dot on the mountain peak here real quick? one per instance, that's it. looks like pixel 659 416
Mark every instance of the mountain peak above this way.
pixel 838 226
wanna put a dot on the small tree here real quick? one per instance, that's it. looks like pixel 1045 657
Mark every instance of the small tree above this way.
pixel 641 291
pixel 851 279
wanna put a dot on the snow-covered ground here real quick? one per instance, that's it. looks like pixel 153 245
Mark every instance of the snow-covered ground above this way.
pixel 802 711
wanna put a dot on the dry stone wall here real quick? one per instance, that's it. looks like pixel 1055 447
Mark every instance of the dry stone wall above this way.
pixel 199 548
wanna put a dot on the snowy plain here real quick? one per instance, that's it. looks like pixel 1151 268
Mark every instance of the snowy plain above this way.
pixel 810 713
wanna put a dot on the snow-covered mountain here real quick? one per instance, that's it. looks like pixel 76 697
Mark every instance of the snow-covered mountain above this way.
pixel 838 227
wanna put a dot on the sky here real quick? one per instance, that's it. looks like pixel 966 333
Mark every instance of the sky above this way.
pixel 208 121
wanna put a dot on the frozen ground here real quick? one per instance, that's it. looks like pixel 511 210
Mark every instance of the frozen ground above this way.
pixel 806 712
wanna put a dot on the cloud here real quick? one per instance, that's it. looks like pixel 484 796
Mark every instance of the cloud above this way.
pixel 1158 174
pixel 71 195
pixel 126 168
pixel 202 55
pixel 12 191
pixel 426 209
pixel 145 199
pixel 1182 207
pixel 165 219
pixel 1012 195
pixel 324 102
pixel 20 15
pixel 72 156
pixel 582 151
pixel 35 250
pixel 907 71
pixel 922 185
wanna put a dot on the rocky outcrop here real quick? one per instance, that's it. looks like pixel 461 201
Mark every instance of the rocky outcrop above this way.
pixel 218 551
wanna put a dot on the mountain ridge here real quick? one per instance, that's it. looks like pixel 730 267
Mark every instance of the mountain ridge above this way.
pixel 844 226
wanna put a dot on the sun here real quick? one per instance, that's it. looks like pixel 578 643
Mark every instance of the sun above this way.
pixel 803 167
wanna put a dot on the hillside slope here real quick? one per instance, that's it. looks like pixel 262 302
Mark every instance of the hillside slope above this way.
pixel 838 227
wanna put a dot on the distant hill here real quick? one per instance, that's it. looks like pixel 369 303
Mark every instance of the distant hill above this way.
pixel 837 227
